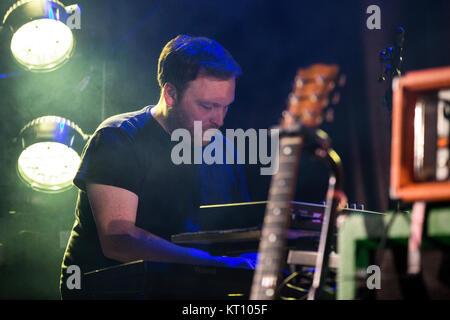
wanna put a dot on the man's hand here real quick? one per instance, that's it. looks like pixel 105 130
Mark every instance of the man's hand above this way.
pixel 114 211
pixel 252 258
pixel 244 261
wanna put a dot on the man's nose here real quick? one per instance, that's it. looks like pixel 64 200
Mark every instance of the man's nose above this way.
pixel 218 117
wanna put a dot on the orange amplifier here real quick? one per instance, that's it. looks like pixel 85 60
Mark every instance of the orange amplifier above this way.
pixel 420 136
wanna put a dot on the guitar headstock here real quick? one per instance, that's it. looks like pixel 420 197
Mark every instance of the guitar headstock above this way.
pixel 311 95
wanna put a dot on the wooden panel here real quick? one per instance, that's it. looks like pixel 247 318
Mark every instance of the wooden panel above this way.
pixel 406 91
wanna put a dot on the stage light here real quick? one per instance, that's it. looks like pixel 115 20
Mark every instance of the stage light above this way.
pixel 41 41
pixel 51 148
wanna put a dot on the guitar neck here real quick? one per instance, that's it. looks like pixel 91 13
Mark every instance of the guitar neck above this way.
pixel 276 221
pixel 309 97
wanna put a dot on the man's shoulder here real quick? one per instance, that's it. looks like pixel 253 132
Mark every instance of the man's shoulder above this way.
pixel 129 123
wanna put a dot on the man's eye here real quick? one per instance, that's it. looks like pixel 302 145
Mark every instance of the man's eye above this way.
pixel 206 107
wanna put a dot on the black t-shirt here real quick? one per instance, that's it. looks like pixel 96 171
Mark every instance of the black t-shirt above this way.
pixel 132 151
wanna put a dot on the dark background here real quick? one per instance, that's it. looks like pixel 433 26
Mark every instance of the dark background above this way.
pixel 113 70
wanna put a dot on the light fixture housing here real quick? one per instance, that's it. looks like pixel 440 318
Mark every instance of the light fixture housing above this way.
pixel 50 153
pixel 41 41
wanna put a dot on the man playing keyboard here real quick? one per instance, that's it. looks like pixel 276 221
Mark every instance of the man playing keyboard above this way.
pixel 132 197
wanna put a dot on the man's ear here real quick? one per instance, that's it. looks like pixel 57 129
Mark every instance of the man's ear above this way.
pixel 170 94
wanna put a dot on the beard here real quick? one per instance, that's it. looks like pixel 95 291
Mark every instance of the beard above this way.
pixel 186 121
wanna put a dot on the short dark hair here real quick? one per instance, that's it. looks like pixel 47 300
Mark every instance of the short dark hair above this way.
pixel 183 57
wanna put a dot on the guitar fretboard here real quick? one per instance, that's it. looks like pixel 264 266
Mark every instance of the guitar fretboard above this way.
pixel 276 221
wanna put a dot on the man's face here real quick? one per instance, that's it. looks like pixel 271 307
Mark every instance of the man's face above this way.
pixel 205 99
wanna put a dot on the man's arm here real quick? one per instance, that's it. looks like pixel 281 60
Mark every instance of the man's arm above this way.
pixel 114 211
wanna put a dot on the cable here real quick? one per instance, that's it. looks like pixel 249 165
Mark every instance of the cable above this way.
pixel 384 238
pixel 286 283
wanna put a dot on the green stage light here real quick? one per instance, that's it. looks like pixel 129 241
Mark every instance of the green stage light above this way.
pixel 41 41
pixel 50 157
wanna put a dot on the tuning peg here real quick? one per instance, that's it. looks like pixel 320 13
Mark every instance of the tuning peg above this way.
pixel 336 98
pixel 287 115
pixel 329 115
pixel 293 99
pixel 313 97
pixel 331 85
pixel 320 79
pixel 342 80
pixel 299 82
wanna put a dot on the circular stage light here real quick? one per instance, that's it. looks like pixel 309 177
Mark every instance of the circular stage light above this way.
pixel 42 45
pixel 48 166
pixel 41 41
pixel 50 157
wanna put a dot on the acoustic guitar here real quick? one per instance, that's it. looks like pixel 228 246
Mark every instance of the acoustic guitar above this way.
pixel 305 112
